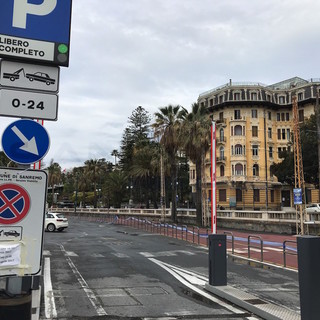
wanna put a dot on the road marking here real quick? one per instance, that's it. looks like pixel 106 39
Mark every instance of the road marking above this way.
pixel 172 270
pixel 70 254
pixel 91 296
pixel 46 253
pixel 50 306
pixel 97 255
pixel 166 253
pixel 120 255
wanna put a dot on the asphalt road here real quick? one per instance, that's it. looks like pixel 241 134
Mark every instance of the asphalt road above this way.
pixel 105 271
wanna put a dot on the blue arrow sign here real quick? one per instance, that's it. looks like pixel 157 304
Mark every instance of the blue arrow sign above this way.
pixel 25 141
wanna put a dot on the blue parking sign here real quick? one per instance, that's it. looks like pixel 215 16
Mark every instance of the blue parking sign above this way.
pixel 38 30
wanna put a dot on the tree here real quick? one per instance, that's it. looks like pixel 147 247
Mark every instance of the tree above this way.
pixel 115 187
pixel 54 176
pixel 94 169
pixel 115 154
pixel 196 142
pixel 167 126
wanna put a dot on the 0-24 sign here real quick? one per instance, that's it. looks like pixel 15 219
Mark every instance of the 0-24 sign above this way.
pixel 27 104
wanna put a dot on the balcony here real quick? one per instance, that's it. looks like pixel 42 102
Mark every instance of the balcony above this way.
pixel 221 122
pixel 221 159
pixel 238 119
pixel 221 140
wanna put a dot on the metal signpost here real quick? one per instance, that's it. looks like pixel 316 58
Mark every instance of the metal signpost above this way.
pixel 34 41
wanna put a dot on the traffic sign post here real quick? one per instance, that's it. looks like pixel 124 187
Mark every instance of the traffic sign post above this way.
pixel 22 211
pixel 25 141
pixel 36 31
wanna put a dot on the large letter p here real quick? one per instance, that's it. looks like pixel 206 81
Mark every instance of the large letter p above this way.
pixel 22 8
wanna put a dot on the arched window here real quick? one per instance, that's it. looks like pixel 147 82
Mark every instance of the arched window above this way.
pixel 238 130
pixel 256 170
pixel 222 153
pixel 239 169
pixel 238 149
pixel 221 171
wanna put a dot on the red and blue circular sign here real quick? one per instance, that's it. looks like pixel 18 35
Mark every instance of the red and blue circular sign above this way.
pixel 14 203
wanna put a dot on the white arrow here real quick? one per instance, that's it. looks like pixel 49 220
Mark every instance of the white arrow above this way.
pixel 29 145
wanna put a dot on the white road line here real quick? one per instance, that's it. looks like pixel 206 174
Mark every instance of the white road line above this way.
pixel 91 296
pixel 274 249
pixel 194 288
pixel 50 306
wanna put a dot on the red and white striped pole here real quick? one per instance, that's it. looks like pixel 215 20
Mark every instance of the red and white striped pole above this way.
pixel 213 180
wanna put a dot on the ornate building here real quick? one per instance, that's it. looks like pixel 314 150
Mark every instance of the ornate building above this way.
pixel 253 124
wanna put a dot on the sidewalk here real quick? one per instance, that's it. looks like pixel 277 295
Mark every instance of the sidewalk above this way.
pixel 271 294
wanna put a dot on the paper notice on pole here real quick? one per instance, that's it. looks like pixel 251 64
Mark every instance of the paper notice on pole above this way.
pixel 10 255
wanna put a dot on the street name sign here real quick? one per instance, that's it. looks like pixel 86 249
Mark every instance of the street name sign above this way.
pixel 25 141
pixel 29 76
pixel 27 104
pixel 37 30
pixel 22 213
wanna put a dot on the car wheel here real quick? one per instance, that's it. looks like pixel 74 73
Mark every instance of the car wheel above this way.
pixel 31 79
pixel 51 227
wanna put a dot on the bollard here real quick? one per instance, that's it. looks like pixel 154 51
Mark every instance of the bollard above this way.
pixel 218 260
pixel 309 276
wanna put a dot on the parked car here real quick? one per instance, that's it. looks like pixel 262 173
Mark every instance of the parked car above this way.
pixel 313 208
pixel 55 221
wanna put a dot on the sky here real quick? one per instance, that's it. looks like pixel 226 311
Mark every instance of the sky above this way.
pixel 152 53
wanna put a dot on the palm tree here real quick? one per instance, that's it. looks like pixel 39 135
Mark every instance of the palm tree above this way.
pixel 94 169
pixel 196 143
pixel 167 126
pixel 115 187
pixel 115 154
pixel 54 175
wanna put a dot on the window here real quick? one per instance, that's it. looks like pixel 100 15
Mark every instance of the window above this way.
pixel 301 115
pixel 256 195
pixel 211 102
pixel 238 130
pixel 221 171
pixel 288 135
pixel 254 96
pixel 287 116
pixel 237 96
pixel 238 195
pixel 221 134
pixel 270 152
pixel 238 149
pixel 221 99
pixel 279 134
pixel 222 153
pixel 270 133
pixel 256 170
pixel 272 195
pixel 254 113
pixel 282 116
pixel 282 100
pixel 283 134
pixel 269 115
pixel 254 131
pixel 222 195
pixel 300 96
pixel 239 169
pixel 237 114
pixel 255 150
pixel 221 116
pixel 278 116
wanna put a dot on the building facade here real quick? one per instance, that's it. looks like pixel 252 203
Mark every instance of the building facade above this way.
pixel 253 125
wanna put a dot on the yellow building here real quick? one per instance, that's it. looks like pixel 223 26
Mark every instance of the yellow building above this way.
pixel 253 124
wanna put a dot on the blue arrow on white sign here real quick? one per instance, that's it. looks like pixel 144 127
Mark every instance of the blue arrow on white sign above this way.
pixel 25 141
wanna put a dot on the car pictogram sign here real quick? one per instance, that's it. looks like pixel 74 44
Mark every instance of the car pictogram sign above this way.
pixel 14 203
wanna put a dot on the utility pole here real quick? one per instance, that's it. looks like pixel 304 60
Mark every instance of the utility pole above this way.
pixel 298 168
pixel 162 187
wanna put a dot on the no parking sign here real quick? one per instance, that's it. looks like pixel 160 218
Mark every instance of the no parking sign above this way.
pixel 22 211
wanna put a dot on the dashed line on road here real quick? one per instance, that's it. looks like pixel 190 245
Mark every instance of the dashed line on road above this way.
pixel 91 296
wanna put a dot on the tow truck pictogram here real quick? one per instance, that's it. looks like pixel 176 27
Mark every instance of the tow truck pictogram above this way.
pixel 13 76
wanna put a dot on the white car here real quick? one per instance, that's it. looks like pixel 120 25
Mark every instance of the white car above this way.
pixel 313 208
pixel 55 221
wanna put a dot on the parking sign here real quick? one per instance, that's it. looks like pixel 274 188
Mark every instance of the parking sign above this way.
pixel 37 30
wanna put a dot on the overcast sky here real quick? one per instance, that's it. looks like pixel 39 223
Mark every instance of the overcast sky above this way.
pixel 126 53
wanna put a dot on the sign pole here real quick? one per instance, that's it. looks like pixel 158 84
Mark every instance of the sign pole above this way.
pixel 213 180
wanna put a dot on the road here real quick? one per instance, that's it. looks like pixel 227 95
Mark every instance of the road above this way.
pixel 105 271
